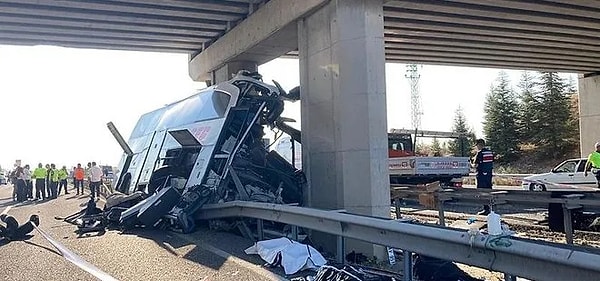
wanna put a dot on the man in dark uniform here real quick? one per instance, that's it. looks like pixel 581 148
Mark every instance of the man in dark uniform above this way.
pixel 484 164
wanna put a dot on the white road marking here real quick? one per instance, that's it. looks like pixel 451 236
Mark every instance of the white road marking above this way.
pixel 6 210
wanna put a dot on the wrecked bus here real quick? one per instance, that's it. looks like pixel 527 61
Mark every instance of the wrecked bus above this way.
pixel 208 148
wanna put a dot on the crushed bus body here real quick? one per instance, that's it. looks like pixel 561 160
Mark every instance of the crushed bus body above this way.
pixel 204 149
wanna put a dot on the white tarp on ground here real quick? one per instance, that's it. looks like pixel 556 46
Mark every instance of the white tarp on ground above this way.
pixel 292 256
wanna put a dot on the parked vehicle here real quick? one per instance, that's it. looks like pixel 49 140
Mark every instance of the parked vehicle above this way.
pixel 408 168
pixel 404 166
pixel 2 178
pixel 567 175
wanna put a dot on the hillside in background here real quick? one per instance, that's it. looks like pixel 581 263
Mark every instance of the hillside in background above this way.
pixel 533 161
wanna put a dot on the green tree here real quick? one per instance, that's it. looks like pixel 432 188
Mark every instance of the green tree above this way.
pixel 436 148
pixel 500 122
pixel 573 126
pixel 528 103
pixel 463 145
pixel 554 114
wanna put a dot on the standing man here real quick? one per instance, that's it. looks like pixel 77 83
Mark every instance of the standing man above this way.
pixel 483 164
pixel 72 175
pixel 79 175
pixel 20 186
pixel 593 162
pixel 53 173
pixel 63 175
pixel 39 174
pixel 48 182
pixel 95 180
pixel 28 184
pixel 87 173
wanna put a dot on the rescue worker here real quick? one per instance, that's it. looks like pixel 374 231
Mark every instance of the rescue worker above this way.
pixel 53 175
pixel 79 175
pixel 483 164
pixel 62 175
pixel 593 162
pixel 39 174
pixel 28 184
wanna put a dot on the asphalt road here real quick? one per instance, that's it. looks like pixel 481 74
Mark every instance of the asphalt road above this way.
pixel 145 255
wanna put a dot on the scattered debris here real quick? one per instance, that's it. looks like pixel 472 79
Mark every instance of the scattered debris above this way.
pixel 290 255
pixel 345 273
pixel 12 231
pixel 434 269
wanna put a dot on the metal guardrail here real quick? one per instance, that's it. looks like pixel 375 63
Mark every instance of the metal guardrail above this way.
pixel 526 258
pixel 505 175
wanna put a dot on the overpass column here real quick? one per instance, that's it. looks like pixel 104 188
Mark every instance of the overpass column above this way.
pixel 227 71
pixel 589 112
pixel 344 121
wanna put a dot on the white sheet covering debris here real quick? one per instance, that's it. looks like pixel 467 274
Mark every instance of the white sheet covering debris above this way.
pixel 291 255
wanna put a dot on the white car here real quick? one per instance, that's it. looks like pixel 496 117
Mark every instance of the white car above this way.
pixel 568 175
pixel 2 178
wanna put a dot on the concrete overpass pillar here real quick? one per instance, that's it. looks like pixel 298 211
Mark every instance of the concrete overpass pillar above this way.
pixel 227 71
pixel 589 112
pixel 344 125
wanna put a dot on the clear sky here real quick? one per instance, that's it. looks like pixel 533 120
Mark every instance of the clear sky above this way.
pixel 55 102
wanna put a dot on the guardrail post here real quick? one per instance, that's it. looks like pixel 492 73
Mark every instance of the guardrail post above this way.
pixel 408 270
pixel 442 217
pixel 397 207
pixel 340 250
pixel 259 230
pixel 568 224
pixel 295 232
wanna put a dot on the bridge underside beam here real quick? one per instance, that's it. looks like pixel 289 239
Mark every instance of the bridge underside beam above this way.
pixel 268 33
pixel 552 35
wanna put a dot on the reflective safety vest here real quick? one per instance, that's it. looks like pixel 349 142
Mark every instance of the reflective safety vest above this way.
pixel 485 161
pixel 79 174
pixel 594 159
pixel 53 175
pixel 39 173
pixel 62 174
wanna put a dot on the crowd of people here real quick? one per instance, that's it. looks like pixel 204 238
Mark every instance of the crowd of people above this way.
pixel 50 181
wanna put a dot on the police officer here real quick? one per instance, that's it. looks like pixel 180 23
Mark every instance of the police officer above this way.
pixel 483 164
pixel 53 176
pixel 39 174
pixel 62 175
pixel 593 162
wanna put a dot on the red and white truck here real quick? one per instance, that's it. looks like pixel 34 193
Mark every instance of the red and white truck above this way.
pixel 408 168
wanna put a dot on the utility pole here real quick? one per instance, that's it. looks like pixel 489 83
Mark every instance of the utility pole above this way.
pixel 412 74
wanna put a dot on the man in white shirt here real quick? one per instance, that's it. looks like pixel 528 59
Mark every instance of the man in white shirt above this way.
pixel 95 180
pixel 28 183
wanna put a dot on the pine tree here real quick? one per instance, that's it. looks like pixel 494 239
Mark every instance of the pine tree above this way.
pixel 528 116
pixel 501 116
pixel 573 126
pixel 463 145
pixel 554 115
pixel 436 148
